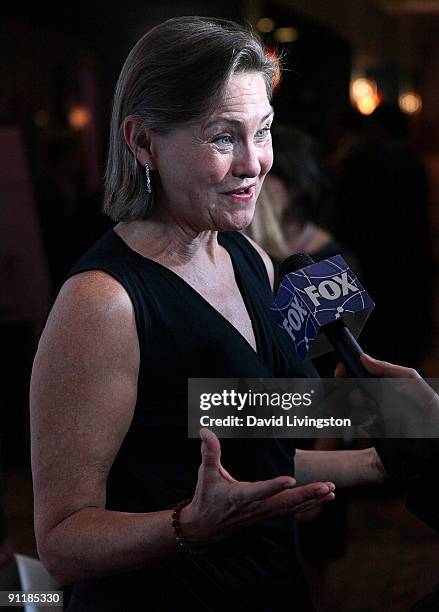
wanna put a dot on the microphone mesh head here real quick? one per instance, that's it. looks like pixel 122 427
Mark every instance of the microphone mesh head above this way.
pixel 295 262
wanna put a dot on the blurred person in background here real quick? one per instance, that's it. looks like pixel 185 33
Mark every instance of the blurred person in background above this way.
pixel 295 202
pixel 382 215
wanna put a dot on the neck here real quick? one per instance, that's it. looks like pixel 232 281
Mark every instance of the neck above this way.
pixel 173 246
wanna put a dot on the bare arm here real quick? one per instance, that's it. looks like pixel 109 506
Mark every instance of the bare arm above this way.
pixel 83 394
pixel 346 468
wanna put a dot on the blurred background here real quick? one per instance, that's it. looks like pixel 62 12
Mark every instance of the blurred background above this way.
pixel 361 87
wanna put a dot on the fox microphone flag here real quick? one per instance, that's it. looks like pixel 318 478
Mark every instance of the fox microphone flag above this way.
pixel 323 306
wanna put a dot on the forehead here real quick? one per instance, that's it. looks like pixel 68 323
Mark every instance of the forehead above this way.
pixel 245 97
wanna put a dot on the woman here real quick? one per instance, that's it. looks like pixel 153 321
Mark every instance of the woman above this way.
pixel 171 292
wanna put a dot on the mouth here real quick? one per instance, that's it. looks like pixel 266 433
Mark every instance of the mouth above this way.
pixel 242 193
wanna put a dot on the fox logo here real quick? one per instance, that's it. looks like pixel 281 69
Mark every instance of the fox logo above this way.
pixel 330 289
pixel 295 317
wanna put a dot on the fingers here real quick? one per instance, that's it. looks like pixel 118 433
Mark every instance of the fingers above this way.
pixel 314 503
pixel 378 368
pixel 385 369
pixel 300 499
pixel 210 449
pixel 263 489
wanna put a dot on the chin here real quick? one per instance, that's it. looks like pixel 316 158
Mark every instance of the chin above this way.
pixel 236 221
pixel 234 224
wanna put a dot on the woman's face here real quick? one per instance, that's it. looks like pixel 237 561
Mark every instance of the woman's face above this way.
pixel 211 172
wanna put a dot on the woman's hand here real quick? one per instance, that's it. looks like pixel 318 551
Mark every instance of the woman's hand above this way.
pixel 222 505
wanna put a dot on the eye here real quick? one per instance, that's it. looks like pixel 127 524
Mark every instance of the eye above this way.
pixel 263 133
pixel 223 139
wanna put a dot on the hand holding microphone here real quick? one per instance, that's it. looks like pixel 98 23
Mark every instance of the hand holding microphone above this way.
pixel 421 394
pixel 381 369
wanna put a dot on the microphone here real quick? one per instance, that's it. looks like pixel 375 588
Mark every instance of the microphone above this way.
pixel 316 297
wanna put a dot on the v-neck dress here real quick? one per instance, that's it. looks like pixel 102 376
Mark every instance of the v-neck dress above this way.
pixel 181 335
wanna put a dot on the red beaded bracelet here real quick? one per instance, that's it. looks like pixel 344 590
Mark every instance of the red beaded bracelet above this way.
pixel 181 542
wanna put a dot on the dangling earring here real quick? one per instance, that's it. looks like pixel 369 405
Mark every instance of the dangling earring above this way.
pixel 148 178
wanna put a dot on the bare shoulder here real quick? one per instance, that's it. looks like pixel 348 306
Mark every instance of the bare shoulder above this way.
pixel 92 304
pixel 90 338
pixel 89 344
pixel 265 258
pixel 94 290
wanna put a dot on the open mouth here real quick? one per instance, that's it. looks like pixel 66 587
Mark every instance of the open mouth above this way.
pixel 245 191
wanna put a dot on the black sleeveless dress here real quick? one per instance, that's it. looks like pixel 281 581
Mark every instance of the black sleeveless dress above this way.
pixel 181 336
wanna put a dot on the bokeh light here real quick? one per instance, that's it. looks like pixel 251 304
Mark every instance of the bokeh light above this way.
pixel 410 102
pixel 362 88
pixel 368 104
pixel 364 95
pixel 79 117
pixel 286 35
pixel 265 24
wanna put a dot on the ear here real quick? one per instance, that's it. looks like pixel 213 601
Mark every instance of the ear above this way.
pixel 138 138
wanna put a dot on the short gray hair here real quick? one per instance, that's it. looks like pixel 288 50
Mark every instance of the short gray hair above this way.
pixel 175 73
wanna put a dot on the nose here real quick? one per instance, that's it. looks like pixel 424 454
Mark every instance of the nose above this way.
pixel 248 161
